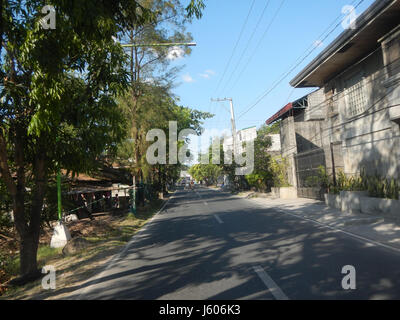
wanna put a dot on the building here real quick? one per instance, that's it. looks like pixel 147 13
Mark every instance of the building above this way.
pixel 351 122
pixel 275 148
pixel 242 136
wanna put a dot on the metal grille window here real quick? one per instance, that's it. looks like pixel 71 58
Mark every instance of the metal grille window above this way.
pixel 355 97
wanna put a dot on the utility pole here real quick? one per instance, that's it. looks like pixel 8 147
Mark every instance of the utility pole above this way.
pixel 233 123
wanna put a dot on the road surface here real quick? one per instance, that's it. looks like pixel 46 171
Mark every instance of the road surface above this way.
pixel 207 244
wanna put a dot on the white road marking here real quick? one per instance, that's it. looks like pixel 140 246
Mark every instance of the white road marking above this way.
pixel 271 285
pixel 218 219
pixel 205 203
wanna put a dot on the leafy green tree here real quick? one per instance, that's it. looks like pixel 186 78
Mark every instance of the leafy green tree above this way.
pixel 274 128
pixel 57 91
pixel 209 173
pixel 149 102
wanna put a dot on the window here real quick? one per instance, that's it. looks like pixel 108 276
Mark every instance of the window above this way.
pixel 355 96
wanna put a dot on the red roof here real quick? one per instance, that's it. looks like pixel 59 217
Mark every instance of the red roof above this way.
pixel 280 113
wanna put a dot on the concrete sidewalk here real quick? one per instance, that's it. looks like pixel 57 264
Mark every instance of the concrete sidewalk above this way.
pixel 374 228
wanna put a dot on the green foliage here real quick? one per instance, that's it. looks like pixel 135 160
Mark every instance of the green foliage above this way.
pixel 258 181
pixel 382 188
pixel 195 8
pixel 352 183
pixel 9 266
pixel 150 104
pixel 58 97
pixel 206 172
pixel 5 208
pixel 274 128
pixel 377 186
pixel 50 208
pixel 321 180
pixel 278 169
pixel 262 176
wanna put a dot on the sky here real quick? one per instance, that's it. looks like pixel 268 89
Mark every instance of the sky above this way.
pixel 242 54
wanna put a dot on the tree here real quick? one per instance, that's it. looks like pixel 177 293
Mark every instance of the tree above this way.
pixel 57 99
pixel 150 75
pixel 262 176
pixel 208 173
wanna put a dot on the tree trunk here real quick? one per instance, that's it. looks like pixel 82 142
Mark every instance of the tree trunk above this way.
pixel 29 240
pixel 28 255
pixel 28 223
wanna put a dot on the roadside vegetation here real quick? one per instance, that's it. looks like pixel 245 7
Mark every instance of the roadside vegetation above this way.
pixel 85 104
pixel 376 186
pixel 269 170
pixel 105 237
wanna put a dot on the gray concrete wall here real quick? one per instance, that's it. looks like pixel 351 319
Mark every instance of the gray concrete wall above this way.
pixel 362 135
pixel 289 148
pixel 370 140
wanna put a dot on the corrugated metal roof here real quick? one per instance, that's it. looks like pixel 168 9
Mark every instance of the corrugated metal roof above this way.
pixel 280 113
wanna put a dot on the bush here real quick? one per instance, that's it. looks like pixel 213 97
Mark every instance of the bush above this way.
pixel 258 181
pixel 278 168
pixel 379 187
pixel 376 186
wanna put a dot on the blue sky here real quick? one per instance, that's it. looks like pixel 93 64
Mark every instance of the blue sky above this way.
pixel 297 26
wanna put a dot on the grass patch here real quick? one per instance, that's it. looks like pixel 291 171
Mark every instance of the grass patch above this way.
pixel 45 254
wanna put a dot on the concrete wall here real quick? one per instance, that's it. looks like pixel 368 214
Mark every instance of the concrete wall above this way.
pixel 289 147
pixel 370 140
pixel 276 143
pixel 358 121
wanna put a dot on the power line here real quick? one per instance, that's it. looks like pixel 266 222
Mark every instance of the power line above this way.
pixel 236 45
pixel 258 45
pixel 286 74
pixel 312 46
pixel 248 43
pixel 364 114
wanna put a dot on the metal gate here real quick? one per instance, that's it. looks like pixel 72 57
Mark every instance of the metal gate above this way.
pixel 307 169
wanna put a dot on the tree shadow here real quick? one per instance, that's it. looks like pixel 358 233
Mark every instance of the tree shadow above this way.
pixel 193 257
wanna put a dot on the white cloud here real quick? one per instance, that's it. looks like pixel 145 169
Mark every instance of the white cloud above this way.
pixel 175 53
pixel 207 74
pixel 204 75
pixel 187 78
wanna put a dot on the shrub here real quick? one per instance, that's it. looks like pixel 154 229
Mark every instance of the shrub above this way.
pixel 257 181
pixel 278 168
pixel 377 186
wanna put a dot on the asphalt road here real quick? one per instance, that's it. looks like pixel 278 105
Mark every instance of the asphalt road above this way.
pixel 206 244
